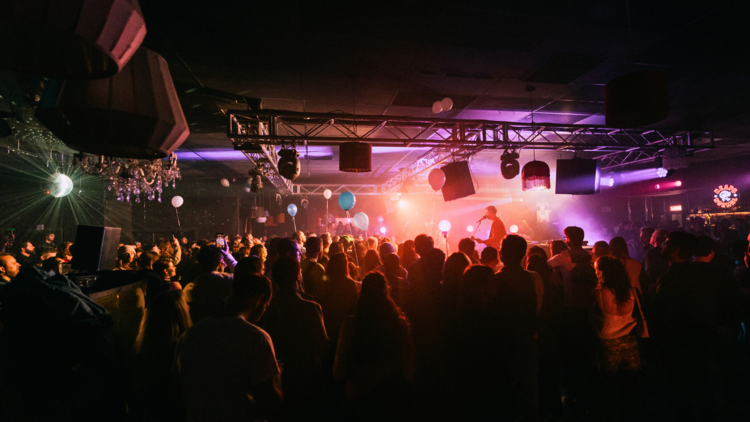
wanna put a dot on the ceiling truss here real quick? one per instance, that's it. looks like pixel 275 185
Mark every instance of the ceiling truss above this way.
pixel 255 132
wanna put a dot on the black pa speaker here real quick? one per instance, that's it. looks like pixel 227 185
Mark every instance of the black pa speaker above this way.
pixel 577 177
pixel 458 182
pixel 95 248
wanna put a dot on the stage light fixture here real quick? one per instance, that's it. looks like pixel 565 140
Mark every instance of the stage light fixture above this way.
pixel 661 172
pixel 402 203
pixel 658 186
pixel 469 229
pixel 255 182
pixel 514 229
pixel 678 183
pixel 382 230
pixel 289 165
pixel 444 226
pixel 509 166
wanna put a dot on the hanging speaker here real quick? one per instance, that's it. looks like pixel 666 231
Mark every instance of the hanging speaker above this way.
pixel 458 182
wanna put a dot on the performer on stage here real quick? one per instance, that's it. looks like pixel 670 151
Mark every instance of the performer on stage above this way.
pixel 497 231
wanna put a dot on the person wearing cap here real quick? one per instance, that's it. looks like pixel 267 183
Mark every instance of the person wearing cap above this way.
pixel 125 258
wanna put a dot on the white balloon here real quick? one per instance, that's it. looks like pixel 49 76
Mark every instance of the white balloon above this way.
pixel 225 183
pixel 177 201
pixel 327 193
pixel 437 107
pixel 446 103
pixel 247 189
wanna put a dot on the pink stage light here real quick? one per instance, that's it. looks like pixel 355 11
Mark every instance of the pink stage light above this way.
pixel 382 230
pixel 514 229
pixel 658 186
pixel 678 183
pixel 402 203
pixel 469 229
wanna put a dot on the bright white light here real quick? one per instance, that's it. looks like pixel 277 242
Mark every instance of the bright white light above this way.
pixel 402 203
pixel 661 172
pixel 658 186
pixel 382 230
pixel 514 229
pixel 60 186
pixel 469 229
pixel 444 226
pixel 678 183
pixel 607 181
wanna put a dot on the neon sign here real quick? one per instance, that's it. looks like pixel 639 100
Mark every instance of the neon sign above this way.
pixel 726 196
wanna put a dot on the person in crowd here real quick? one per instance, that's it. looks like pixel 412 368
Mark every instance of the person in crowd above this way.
pixel 471 365
pixel 518 300
pixel 300 238
pixel 299 336
pixel 614 323
pixel 371 262
pixel 260 251
pixel 578 342
pixel 618 249
pixel 273 252
pixel 408 255
pixel 169 249
pixel 384 250
pixel 468 247
pixel 422 244
pixel 125 258
pixel 653 261
pixel 48 241
pixel 490 258
pixel 242 252
pixel 557 247
pixel 167 272
pixel 206 294
pixel 146 261
pixel 372 243
pixel 26 255
pixel 249 265
pixel 375 356
pixel 312 272
pixel 450 290
pixel 722 294
pixel 165 320
pixel 9 267
pixel 548 327
pixel 684 318
pixel 226 365
pixel 340 229
pixel 497 231
pixel 288 247
pixel 645 238
pixel 326 238
pixel 341 295
pixel 396 276
pixel 63 251
pixel 601 248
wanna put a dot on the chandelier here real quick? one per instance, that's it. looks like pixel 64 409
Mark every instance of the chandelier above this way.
pixel 130 177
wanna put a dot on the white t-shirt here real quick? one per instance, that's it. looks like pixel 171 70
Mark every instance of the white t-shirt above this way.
pixel 219 361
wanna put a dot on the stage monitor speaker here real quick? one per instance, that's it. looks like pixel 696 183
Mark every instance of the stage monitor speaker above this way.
pixel 577 177
pixel 95 248
pixel 458 182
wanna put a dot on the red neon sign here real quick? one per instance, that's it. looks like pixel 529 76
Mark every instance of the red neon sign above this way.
pixel 726 196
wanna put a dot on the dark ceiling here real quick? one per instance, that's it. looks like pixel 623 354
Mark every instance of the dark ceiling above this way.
pixel 398 57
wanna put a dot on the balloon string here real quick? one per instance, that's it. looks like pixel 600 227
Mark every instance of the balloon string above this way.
pixel 295 223
pixel 178 221
pixel 354 242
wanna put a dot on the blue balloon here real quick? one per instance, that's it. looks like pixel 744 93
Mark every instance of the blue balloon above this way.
pixel 347 201
pixel 291 209
pixel 362 221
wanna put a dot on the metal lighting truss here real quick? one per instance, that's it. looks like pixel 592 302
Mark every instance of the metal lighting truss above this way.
pixel 265 158
pixel 357 189
pixel 253 129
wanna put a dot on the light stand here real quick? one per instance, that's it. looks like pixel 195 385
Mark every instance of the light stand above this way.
pixel 447 251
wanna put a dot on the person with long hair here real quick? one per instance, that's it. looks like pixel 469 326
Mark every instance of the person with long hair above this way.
pixel 618 248
pixel 341 295
pixel 63 251
pixel 394 275
pixel 612 319
pixel 166 318
pixel 450 290
pixel 375 356
pixel 371 261
pixel 409 254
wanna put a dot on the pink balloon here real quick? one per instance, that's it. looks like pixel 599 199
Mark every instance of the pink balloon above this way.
pixel 436 179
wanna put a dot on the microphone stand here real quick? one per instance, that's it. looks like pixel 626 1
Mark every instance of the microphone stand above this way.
pixel 479 223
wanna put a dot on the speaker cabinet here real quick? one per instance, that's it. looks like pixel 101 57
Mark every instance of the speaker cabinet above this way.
pixel 95 248
pixel 458 182
pixel 577 177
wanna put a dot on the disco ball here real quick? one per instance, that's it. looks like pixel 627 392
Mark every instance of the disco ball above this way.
pixel 60 185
